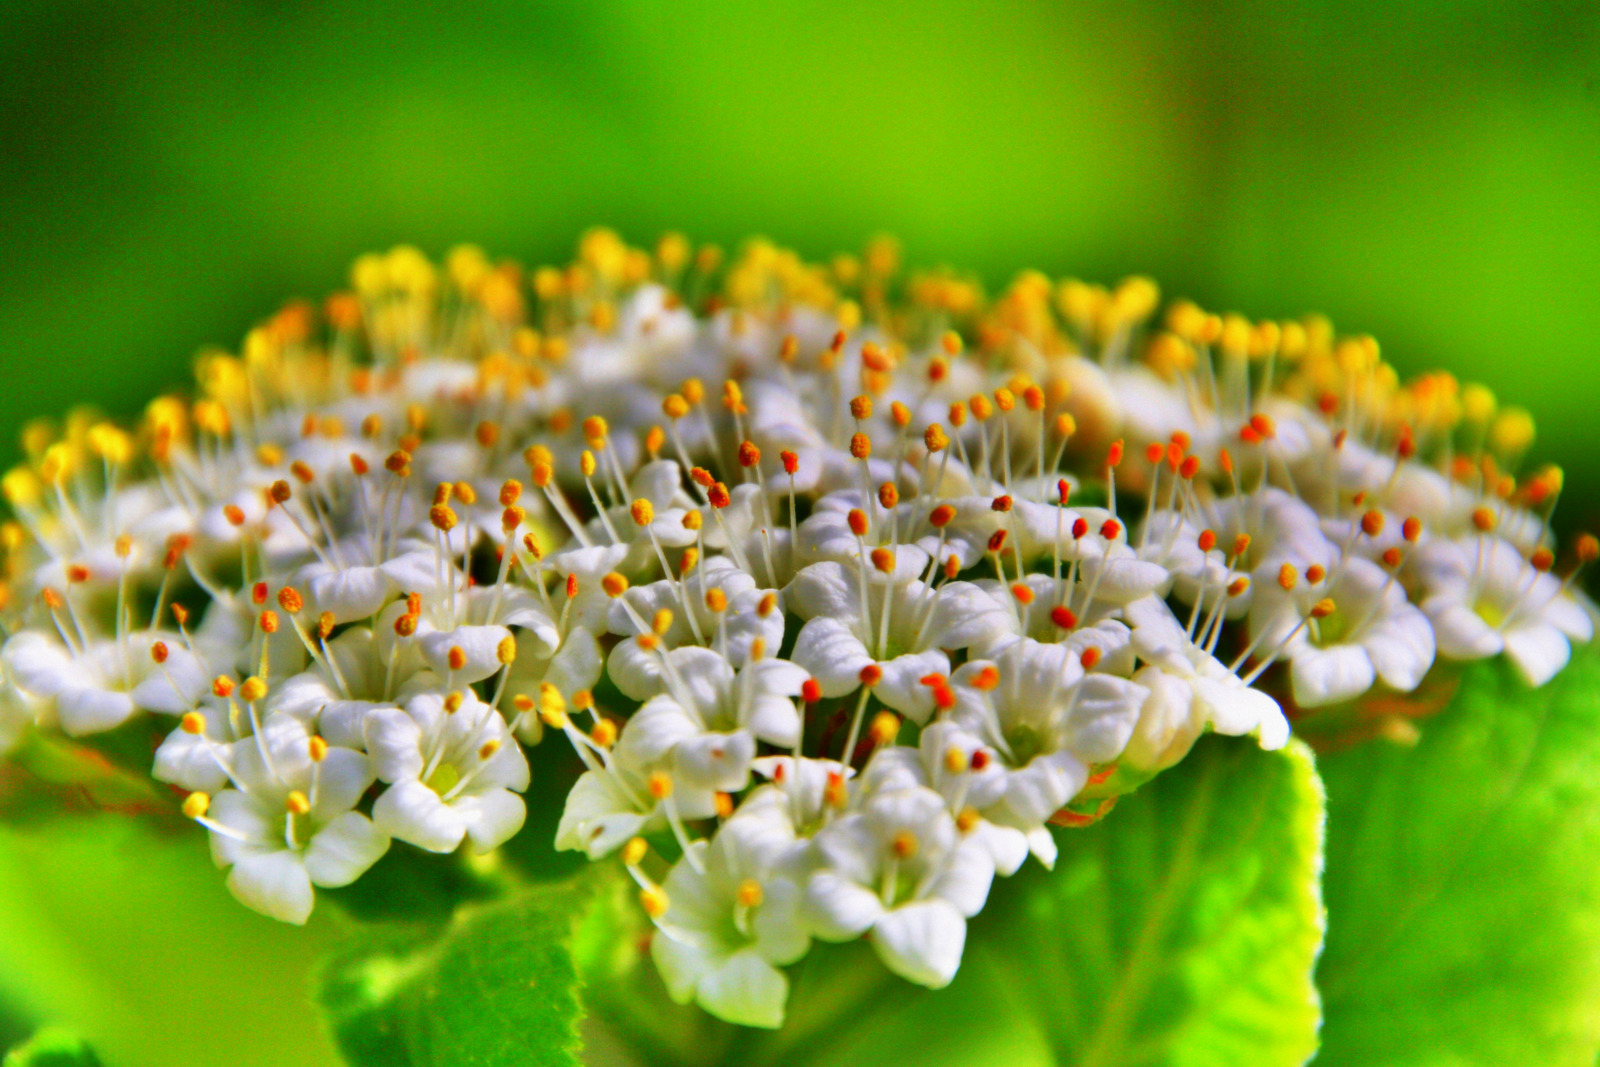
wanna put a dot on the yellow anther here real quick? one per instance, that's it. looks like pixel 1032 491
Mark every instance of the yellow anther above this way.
pixel 195 805
pixel 297 803
pixel 722 804
pixel 767 604
pixel 661 622
pixel 1323 608
pixel 453 701
pixel 659 784
pixel 716 599
pixel 860 446
pixel 693 520
pixel 654 901
pixel 604 733
pixel 552 706
pixel 1288 576
pixel 980 406
pixel 193 723
pixel 955 760
pixel 456 657
pixel 885 728
pixel 1005 399
pixel 674 406
pixel 749 894
pixel 634 852
pixel 466 494
pixel 1237 587
pixel 541 474
pixel 967 820
pixel 586 463
pixel 758 649
pixel 861 408
pixel 252 689
pixel 506 651
pixel 903 844
pixel 442 517
pixel 317 749
pixel 643 512
pixel 1512 431
pixel 487 750
pixel 595 432
pixel 1484 519
pixel 883 559
pixel 693 390
pixel 614 584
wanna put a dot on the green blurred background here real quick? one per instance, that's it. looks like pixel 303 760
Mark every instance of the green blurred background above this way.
pixel 1425 171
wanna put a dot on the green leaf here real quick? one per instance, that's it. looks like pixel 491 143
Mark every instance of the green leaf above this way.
pixel 1180 930
pixel 498 987
pixel 1463 885
pixel 51 1048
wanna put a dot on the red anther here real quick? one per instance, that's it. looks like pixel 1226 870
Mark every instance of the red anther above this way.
pixel 1262 424
pixel 1225 460
pixel 717 496
pixel 1340 438
pixel 1023 592
pixel 944 698
pixel 1114 455
pixel 1207 540
pixel 941 516
pixel 1154 451
pixel 1174 456
pixel 1372 523
pixel 980 760
pixel 997 540
pixel 1181 439
pixel 933 679
pixel 1091 658
pixel 413 603
pixel 572 586
pixel 1063 617
pixel 1327 403
pixel 1407 447
pixel 1249 436
pixel 1080 526
pixel 1190 467
pixel 1000 503
pixel 987 678
pixel 258 593
pixel 1110 529
pixel 1063 490
pixel 791 462
pixel 811 691
pixel 871 675
pixel 1391 556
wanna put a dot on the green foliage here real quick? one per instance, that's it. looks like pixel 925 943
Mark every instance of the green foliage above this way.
pixel 51 1048
pixel 1462 885
pixel 497 987
pixel 1181 930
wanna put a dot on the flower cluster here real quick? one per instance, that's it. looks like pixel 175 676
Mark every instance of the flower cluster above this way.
pixel 844 586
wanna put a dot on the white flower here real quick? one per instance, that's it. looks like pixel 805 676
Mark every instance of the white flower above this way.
pixel 1372 633
pixel 1189 689
pixel 1484 598
pixel 966 773
pixel 844 635
pixel 453 774
pixel 291 826
pixel 711 716
pixel 900 869
pixel 102 686
pixel 614 801
pixel 732 918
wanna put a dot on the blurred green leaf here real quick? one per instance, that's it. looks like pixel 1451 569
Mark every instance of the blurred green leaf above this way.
pixel 52 1048
pixel 497 988
pixel 1462 884
pixel 1181 930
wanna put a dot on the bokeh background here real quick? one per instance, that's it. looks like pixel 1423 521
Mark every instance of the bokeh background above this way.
pixel 1424 170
